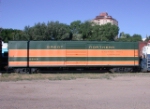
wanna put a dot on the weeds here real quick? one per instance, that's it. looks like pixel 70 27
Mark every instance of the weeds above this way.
pixel 64 76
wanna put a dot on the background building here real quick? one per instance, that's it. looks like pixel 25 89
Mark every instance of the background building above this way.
pixel 104 18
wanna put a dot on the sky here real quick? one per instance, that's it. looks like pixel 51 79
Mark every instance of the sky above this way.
pixel 133 16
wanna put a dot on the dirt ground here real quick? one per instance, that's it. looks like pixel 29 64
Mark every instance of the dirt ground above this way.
pixel 124 92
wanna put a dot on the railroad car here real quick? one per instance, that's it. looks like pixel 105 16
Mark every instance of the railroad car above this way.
pixel 0 54
pixel 4 54
pixel 113 56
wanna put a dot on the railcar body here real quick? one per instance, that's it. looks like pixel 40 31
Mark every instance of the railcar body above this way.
pixel 82 53
pixel 0 54
pixel 36 54
pixel 4 59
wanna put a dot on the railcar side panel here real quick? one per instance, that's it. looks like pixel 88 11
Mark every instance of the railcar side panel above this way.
pixel 82 53
pixel 57 53
pixel 76 53
pixel 47 53
pixel 72 53
pixel 113 54
pixel 18 54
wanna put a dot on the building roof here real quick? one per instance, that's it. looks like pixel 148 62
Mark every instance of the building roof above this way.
pixel 104 15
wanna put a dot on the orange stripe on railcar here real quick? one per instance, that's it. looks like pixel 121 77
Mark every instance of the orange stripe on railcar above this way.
pixel 17 63
pixel 17 53
pixel 84 53
pixel 99 63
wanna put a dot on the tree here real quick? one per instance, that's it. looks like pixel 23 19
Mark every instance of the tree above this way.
pixel 75 29
pixel 109 31
pixel 75 26
pixel 147 38
pixel 136 37
pixel 9 34
pixel 49 31
pixel 129 38
pixel 124 37
pixel 86 30
pixel 96 33
pixel 105 32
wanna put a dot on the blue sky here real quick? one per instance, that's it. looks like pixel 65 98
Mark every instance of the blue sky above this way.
pixel 132 15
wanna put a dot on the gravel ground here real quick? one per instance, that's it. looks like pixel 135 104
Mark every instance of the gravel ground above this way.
pixel 125 92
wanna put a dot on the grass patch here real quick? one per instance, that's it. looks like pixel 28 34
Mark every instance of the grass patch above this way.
pixel 65 76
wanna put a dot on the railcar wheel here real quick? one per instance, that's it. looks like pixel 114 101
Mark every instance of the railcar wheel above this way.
pixel 114 70
pixel 22 70
pixel 127 70
pixel 35 70
pixel 121 70
pixel 16 71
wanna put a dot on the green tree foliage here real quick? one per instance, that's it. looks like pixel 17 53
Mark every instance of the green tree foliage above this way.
pixel 89 31
pixel 129 38
pixel 107 32
pixel 77 30
pixel 86 30
pixel 136 37
pixel 124 37
pixel 49 31
pixel 75 26
pixel 147 38
pixel 81 31
pixel 96 31
pixel 9 34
